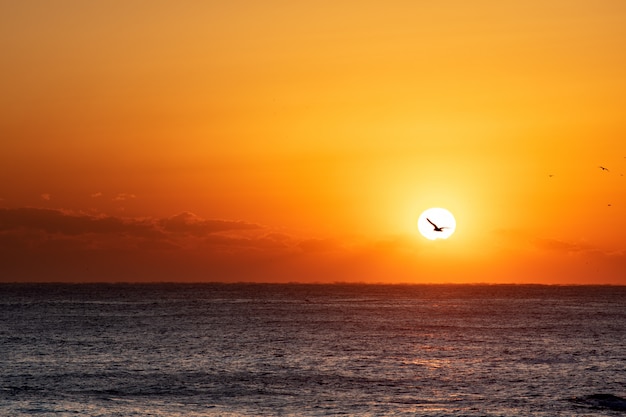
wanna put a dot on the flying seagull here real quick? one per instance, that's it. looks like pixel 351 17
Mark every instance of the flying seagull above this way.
pixel 603 168
pixel 436 228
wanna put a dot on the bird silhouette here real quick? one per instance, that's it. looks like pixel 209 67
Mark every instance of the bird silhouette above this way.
pixel 603 168
pixel 436 228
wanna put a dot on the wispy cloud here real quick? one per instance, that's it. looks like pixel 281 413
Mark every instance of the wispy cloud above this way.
pixel 71 224
pixel 46 196
pixel 96 195
pixel 189 223
pixel 562 245
pixel 66 223
pixel 124 197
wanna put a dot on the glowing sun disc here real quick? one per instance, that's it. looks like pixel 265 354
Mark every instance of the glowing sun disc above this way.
pixel 443 227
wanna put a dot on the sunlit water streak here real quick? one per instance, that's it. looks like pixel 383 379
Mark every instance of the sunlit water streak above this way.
pixel 311 350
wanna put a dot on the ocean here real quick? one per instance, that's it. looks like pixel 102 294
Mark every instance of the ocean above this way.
pixel 312 350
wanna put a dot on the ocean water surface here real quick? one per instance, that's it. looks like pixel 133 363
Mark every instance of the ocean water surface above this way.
pixel 312 350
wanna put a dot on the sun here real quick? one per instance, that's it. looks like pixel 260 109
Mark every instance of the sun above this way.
pixel 440 226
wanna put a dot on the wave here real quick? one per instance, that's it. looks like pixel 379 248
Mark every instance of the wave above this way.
pixel 601 401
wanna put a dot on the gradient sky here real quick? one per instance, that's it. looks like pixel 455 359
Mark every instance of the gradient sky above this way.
pixel 300 141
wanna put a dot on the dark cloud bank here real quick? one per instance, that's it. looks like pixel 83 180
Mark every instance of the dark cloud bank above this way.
pixel 55 245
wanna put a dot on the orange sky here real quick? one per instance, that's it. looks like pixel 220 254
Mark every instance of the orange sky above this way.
pixel 300 141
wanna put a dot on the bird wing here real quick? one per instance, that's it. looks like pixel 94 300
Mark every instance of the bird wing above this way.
pixel 431 222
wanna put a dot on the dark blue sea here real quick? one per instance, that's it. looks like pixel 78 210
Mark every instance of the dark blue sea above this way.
pixel 312 350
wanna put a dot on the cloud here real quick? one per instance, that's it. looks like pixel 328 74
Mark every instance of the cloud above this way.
pixel 575 248
pixel 53 221
pixel 124 197
pixel 563 246
pixel 40 244
pixel 64 223
pixel 45 196
pixel 60 222
pixel 189 223
pixel 582 250
pixel 96 195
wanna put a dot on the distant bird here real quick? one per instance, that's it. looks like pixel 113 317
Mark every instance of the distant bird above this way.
pixel 436 228
pixel 550 175
pixel 603 168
